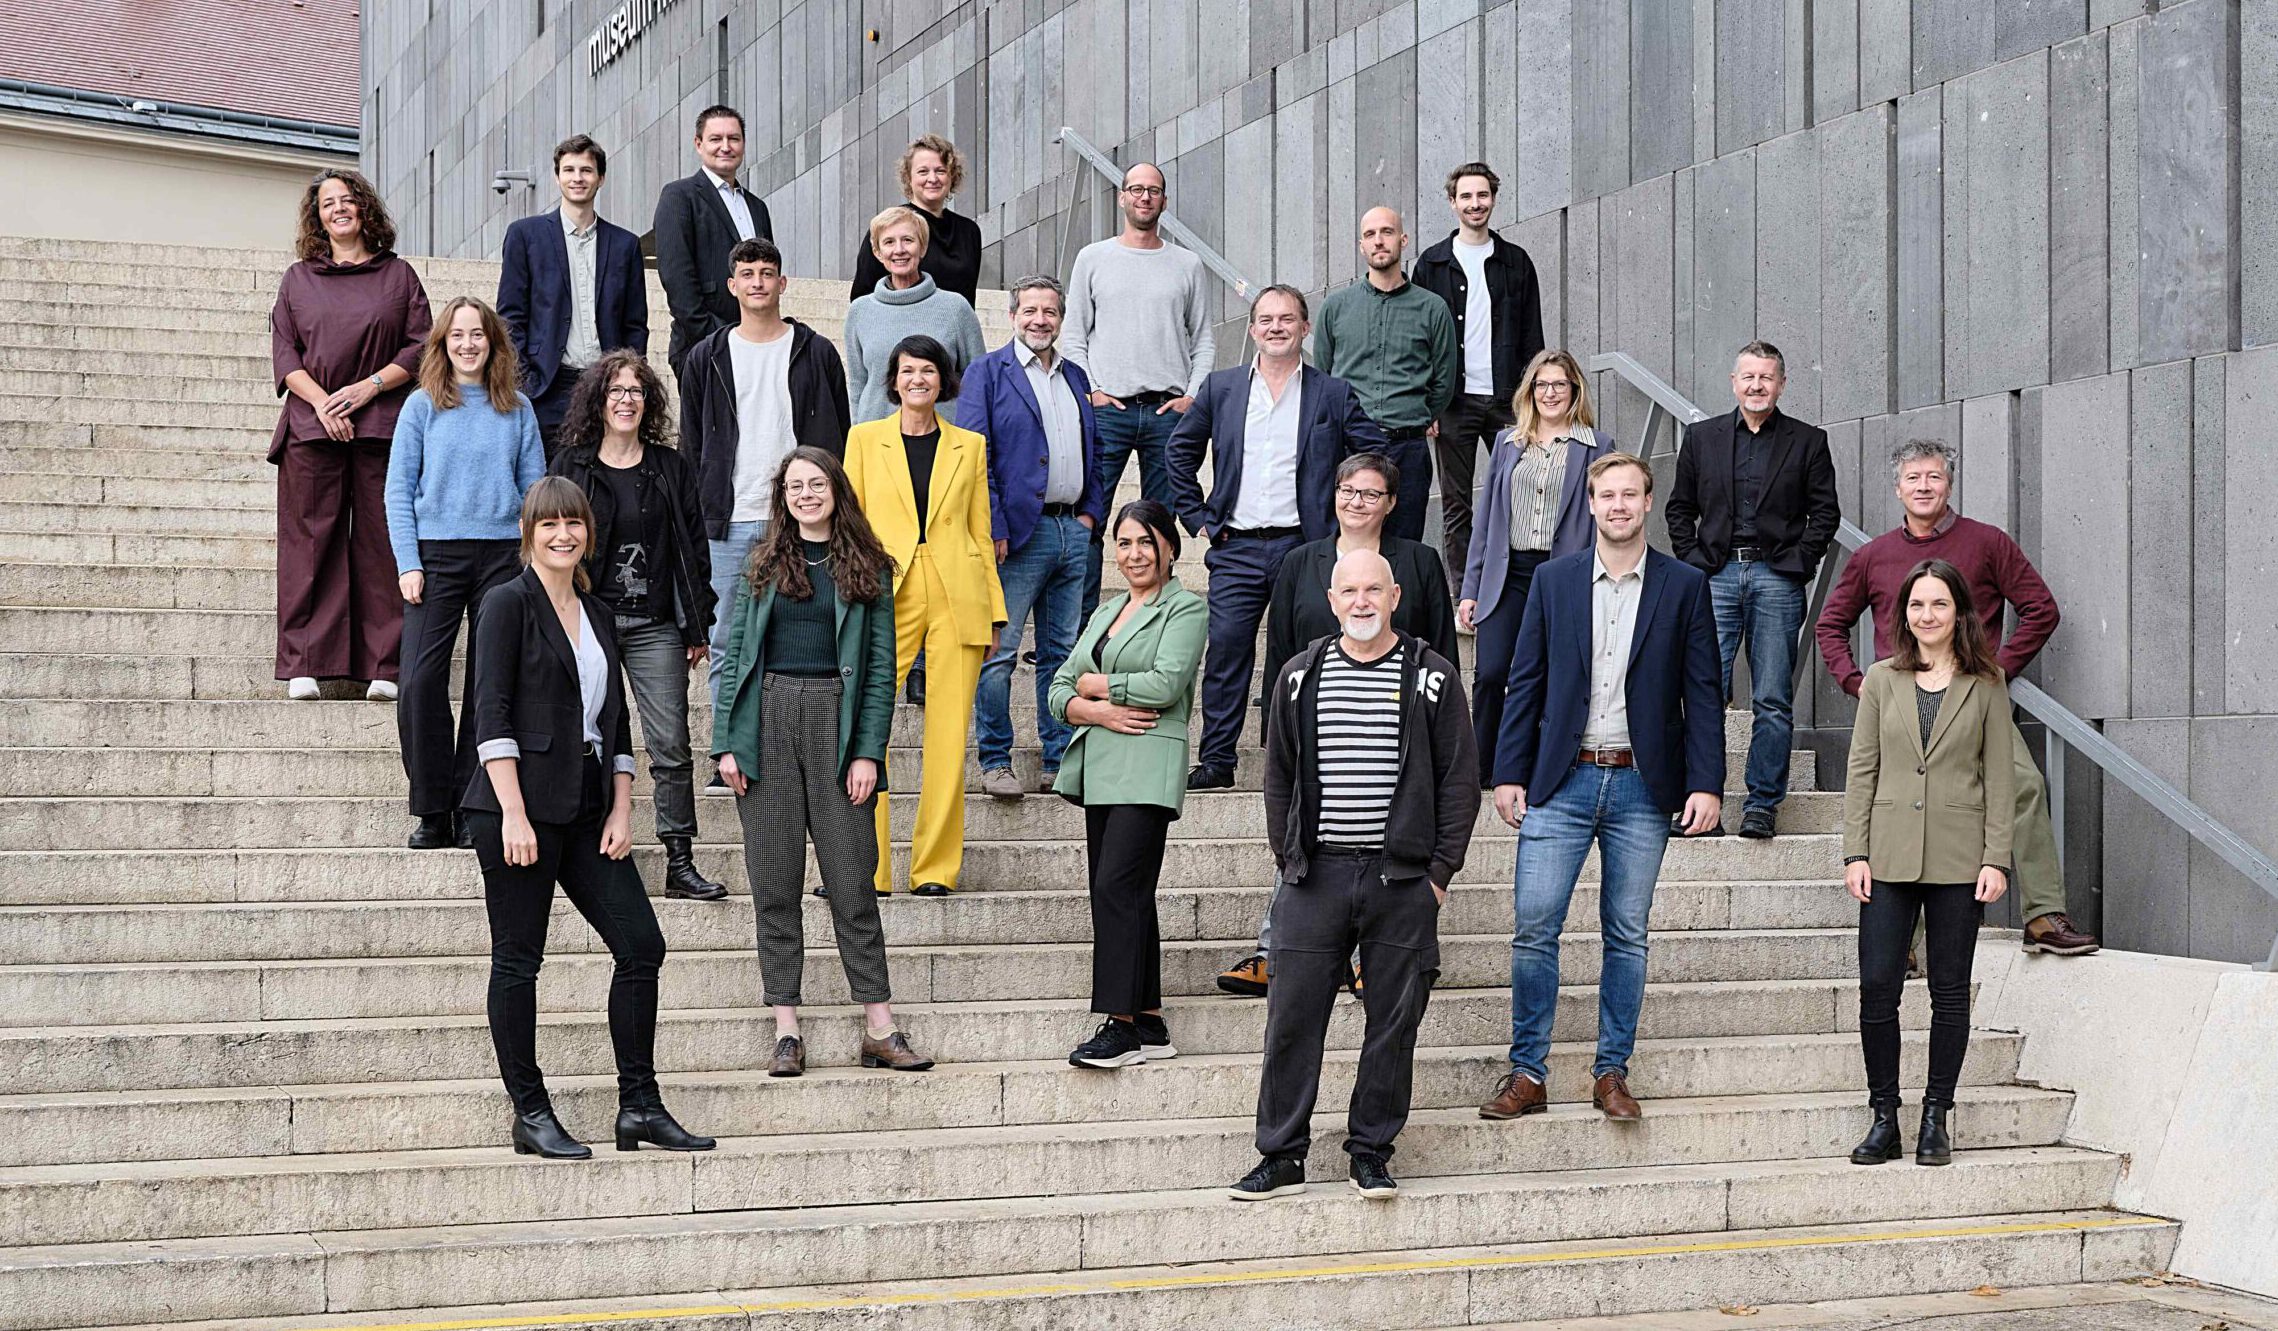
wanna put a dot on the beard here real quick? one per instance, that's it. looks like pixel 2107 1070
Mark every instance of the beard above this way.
pixel 1363 629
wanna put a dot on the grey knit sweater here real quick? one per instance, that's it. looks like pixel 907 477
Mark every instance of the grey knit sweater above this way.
pixel 875 323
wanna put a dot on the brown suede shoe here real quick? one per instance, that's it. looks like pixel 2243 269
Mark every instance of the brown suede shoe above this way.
pixel 1611 1095
pixel 892 1052
pixel 1516 1094
pixel 2054 933
pixel 1246 977
pixel 790 1058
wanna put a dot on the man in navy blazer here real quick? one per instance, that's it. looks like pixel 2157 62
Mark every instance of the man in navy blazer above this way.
pixel 1614 723
pixel 1276 431
pixel 1046 498
pixel 699 219
pixel 571 287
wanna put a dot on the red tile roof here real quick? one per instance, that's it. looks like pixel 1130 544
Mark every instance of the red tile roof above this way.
pixel 291 58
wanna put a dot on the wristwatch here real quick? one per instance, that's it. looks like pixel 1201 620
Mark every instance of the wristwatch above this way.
pixel 379 384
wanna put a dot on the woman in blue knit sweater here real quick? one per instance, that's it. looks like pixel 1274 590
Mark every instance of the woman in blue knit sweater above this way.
pixel 466 448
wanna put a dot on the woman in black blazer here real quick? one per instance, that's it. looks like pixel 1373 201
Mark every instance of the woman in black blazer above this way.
pixel 1368 486
pixel 553 802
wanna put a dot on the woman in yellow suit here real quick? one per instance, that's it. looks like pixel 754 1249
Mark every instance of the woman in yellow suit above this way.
pixel 924 484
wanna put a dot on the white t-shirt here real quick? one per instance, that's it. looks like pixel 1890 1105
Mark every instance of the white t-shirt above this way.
pixel 763 420
pixel 1478 320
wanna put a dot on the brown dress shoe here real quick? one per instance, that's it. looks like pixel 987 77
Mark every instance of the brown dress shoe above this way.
pixel 1516 1094
pixel 892 1052
pixel 790 1058
pixel 1611 1095
pixel 2053 933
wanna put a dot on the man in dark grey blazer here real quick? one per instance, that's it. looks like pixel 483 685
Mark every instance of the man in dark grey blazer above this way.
pixel 698 220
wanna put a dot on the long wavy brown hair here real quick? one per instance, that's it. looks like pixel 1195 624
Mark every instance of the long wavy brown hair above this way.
pixel 439 379
pixel 859 565
pixel 1973 654
pixel 379 228
pixel 588 417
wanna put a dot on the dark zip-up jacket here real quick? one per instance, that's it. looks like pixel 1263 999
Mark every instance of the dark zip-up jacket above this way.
pixel 1511 290
pixel 709 434
pixel 668 499
pixel 1435 798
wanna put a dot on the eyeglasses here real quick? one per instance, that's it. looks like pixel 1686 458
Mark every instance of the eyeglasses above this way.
pixel 1145 191
pixel 806 487
pixel 625 393
pixel 1552 385
pixel 1349 494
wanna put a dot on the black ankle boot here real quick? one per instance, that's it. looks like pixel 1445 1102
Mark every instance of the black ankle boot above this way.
pixel 680 876
pixel 435 832
pixel 651 1124
pixel 465 830
pixel 540 1133
pixel 1882 1141
pixel 1933 1146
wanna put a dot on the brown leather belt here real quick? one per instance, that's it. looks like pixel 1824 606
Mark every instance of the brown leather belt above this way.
pixel 1607 757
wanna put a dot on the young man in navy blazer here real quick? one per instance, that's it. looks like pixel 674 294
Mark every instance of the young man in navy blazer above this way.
pixel 1276 431
pixel 571 287
pixel 1615 723
pixel 1045 501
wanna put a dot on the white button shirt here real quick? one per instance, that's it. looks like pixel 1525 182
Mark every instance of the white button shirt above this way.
pixel 737 208
pixel 1063 425
pixel 1269 456
pixel 1613 627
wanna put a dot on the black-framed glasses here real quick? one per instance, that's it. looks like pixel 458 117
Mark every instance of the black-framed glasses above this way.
pixel 1145 191
pixel 1353 494
pixel 1546 385
pixel 627 393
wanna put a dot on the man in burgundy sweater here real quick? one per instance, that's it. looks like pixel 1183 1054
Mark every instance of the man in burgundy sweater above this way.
pixel 1999 576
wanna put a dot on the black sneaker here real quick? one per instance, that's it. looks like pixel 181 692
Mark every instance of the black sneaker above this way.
pixel 1759 824
pixel 1154 1036
pixel 1114 1045
pixel 1371 1178
pixel 718 785
pixel 1206 777
pixel 1272 1178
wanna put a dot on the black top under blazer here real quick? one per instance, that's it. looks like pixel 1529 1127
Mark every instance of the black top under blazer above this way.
pixel 1797 510
pixel 526 690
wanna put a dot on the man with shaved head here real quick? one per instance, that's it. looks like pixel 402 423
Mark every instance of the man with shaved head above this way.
pixel 1396 344
pixel 1372 787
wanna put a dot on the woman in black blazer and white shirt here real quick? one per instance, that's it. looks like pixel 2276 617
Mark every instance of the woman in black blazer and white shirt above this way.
pixel 553 803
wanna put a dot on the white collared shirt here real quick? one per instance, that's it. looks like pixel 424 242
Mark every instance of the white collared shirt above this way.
pixel 1613 627
pixel 737 208
pixel 1269 456
pixel 584 344
pixel 1063 424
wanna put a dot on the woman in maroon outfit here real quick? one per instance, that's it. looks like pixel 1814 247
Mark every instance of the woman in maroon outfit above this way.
pixel 345 337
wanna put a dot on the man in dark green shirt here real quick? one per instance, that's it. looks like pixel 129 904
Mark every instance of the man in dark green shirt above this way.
pixel 1395 343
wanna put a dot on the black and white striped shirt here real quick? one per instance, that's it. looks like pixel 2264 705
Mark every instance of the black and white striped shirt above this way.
pixel 1357 739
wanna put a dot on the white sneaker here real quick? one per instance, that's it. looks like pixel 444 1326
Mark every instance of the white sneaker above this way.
pixel 302 689
pixel 382 690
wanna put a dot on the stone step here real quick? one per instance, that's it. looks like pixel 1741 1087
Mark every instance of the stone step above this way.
pixel 187 394
pixel 154 1200
pixel 93 1127
pixel 236 462
pixel 27 353
pixel 137 548
pixel 251 489
pixel 203 440
pixel 70 402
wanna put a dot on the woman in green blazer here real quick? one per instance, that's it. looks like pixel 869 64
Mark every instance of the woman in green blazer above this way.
pixel 1927 818
pixel 806 704
pixel 1128 689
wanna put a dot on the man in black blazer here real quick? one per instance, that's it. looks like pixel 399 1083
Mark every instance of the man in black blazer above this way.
pixel 571 287
pixel 1275 431
pixel 699 219
pixel 1754 507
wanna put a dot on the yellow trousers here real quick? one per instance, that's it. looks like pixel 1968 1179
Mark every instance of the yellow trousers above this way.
pixel 952 672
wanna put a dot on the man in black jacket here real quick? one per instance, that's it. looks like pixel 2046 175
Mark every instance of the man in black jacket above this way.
pixel 1755 508
pixel 698 220
pixel 1372 788
pixel 1489 286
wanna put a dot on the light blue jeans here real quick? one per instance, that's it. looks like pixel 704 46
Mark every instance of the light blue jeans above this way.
pixel 727 565
pixel 1045 576
pixel 1766 606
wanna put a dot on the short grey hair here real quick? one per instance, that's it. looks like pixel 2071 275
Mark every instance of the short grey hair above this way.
pixel 1918 450
pixel 1762 350
pixel 1039 282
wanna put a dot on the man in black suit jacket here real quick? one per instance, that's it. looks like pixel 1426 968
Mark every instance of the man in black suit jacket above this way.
pixel 699 219
pixel 1754 507
pixel 571 287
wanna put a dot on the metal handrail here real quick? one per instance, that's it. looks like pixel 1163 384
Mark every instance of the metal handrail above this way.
pixel 1179 231
pixel 2066 729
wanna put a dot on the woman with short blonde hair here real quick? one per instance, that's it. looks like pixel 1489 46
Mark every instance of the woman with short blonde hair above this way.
pixel 905 303
pixel 931 170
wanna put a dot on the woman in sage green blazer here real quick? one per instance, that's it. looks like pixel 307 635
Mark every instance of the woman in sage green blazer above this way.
pixel 1128 689
pixel 1927 818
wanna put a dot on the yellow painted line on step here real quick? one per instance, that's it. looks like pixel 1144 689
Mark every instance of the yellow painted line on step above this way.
pixel 919 1297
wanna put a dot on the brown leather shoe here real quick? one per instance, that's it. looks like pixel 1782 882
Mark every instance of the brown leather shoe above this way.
pixel 1516 1094
pixel 892 1052
pixel 790 1058
pixel 2054 934
pixel 1611 1095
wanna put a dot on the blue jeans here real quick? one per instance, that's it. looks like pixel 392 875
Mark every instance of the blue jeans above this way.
pixel 1046 576
pixel 1611 807
pixel 727 565
pixel 1414 459
pixel 1135 429
pixel 1767 606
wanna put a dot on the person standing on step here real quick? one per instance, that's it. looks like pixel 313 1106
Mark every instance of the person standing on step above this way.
pixel 1537 506
pixel 905 303
pixel 1275 431
pixel 1139 316
pixel 806 708
pixel 1999 575
pixel 1128 688
pixel 466 448
pixel 1491 291
pixel 699 222
pixel 931 171
pixel 1396 344
pixel 1927 820
pixel 1045 499
pixel 924 484
pixel 553 803
pixel 1614 726
pixel 1372 789
pixel 345 339
pixel 571 286
pixel 1754 506
pixel 652 566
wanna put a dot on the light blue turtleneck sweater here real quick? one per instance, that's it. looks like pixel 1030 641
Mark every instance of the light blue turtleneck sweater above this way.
pixel 459 475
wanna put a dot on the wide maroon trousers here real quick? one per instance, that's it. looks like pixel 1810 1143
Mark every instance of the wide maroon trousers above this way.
pixel 339 608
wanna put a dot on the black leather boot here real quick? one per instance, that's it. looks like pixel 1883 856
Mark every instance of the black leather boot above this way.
pixel 435 832
pixel 680 876
pixel 651 1124
pixel 1882 1141
pixel 540 1133
pixel 1933 1146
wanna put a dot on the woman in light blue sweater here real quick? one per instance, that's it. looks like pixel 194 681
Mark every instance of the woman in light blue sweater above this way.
pixel 905 303
pixel 466 448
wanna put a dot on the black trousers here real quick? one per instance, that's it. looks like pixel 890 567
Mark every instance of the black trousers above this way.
pixel 439 758
pixel 1496 643
pixel 1344 900
pixel 1469 424
pixel 1413 456
pixel 608 893
pixel 1950 913
pixel 1125 842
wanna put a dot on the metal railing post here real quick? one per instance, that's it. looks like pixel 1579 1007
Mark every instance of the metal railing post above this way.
pixel 2056 782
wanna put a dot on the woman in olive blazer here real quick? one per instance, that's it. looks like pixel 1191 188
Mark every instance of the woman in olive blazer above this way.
pixel 1927 817
pixel 1128 689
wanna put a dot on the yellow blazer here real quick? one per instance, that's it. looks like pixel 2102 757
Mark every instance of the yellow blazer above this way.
pixel 1932 813
pixel 957 532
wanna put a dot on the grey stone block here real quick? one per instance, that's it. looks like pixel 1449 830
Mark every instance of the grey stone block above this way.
pixel 1886 44
pixel 2146 901
pixel 1601 96
pixel 2160 533
pixel 2084 551
pixel 2185 184
pixel 1173 71
pixel 1788 263
pixel 1682 283
pixel 1385 144
pixel 1250 206
pixel 1222 45
pixel 1858 276
pixel 1300 175
pixel 1751 78
pixel 1643 236
pixel 1661 103
pixel 2233 779
pixel 1704 82
pixel 1985 490
pixel 1920 315
pixel 2079 194
pixel 2121 66
pixel 1795 66
pixel 1843 438
pixel 2258 173
pixel 2210 645
pixel 1834 58
pixel 1951 38
pixel 1447 123
pixel 1997 228
pixel 2029 25
pixel 1277 32
pixel 1581 301
pixel 1543 238
pixel 1343 205
pixel 1544 136
pixel 1724 273
pixel 2249 549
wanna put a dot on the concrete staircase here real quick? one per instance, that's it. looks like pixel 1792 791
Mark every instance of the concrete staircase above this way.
pixel 247 1075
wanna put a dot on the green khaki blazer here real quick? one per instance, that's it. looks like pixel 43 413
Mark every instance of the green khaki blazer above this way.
pixel 1936 812
pixel 865 669
pixel 1151 663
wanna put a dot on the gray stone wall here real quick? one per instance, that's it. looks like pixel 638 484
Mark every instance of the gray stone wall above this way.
pixel 2042 229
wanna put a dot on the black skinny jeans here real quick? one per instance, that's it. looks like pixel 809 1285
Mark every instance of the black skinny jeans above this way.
pixel 608 893
pixel 1950 913
pixel 1125 842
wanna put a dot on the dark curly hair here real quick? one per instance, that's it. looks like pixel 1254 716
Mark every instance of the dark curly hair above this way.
pixel 587 419
pixel 379 228
pixel 860 567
